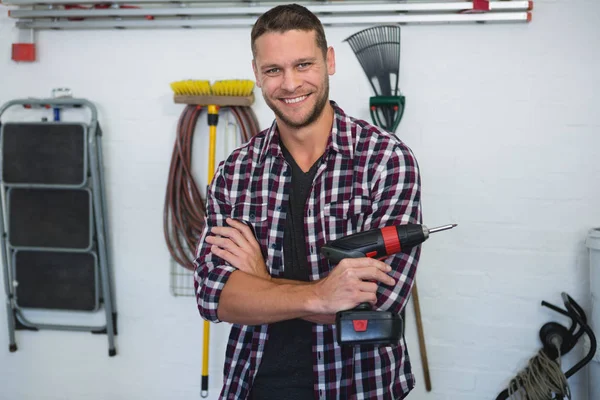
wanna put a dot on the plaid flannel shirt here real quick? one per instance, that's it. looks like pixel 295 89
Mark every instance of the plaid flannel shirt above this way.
pixel 367 178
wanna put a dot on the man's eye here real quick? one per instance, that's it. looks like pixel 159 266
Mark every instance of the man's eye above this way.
pixel 304 65
pixel 272 71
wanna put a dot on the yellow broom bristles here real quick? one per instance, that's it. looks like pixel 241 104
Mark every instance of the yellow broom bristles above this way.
pixel 230 87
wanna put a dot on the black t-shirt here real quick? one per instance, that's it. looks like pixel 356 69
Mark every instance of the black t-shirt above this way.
pixel 286 368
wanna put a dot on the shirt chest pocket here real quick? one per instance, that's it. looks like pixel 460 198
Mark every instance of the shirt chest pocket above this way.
pixel 256 217
pixel 343 217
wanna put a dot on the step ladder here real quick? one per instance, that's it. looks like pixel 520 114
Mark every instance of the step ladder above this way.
pixel 54 242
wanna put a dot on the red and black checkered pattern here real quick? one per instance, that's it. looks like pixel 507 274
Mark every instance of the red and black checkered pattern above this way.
pixel 367 178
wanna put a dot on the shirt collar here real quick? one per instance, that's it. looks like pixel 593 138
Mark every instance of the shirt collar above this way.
pixel 341 138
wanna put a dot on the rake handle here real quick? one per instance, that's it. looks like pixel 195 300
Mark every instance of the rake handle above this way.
pixel 422 348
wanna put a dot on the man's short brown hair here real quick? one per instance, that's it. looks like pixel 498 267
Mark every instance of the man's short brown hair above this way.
pixel 286 18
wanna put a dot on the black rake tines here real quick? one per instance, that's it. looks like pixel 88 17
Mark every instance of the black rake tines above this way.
pixel 378 51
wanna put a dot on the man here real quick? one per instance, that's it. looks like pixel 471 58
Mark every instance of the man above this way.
pixel 315 175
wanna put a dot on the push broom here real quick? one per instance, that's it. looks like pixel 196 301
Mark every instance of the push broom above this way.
pixel 234 94
pixel 378 52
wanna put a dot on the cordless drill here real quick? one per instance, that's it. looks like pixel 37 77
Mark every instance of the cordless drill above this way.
pixel 362 325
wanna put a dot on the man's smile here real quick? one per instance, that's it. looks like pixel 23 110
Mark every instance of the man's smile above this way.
pixel 294 100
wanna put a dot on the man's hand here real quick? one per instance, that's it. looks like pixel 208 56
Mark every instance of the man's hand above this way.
pixel 237 245
pixel 350 283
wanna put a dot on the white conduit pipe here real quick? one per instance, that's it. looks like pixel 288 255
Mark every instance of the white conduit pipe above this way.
pixel 593 244
pixel 54 14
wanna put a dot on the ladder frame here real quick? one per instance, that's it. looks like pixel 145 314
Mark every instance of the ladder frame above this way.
pixel 94 165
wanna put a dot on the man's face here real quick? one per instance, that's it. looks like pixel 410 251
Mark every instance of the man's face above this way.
pixel 293 75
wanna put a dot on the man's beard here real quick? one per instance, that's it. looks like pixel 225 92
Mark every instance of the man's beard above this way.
pixel 312 116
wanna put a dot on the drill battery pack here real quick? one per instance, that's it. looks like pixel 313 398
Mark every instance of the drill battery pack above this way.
pixel 358 327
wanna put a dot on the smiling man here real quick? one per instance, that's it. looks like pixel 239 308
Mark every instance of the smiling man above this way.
pixel 315 175
pixel 293 74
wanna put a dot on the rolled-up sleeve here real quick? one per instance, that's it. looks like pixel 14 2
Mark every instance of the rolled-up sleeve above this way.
pixel 397 200
pixel 211 273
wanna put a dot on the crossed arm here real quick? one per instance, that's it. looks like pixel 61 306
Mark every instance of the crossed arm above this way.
pixel 251 296
pixel 233 284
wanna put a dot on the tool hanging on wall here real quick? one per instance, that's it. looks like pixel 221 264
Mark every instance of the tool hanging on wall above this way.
pixel 183 217
pixel 378 52
pixel 543 378
pixel 184 207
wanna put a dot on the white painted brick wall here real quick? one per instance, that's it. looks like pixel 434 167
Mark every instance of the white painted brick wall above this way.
pixel 503 120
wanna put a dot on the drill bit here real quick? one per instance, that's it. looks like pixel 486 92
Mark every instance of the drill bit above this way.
pixel 442 228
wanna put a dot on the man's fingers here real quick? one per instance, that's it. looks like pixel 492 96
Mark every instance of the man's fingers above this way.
pixel 238 232
pixel 364 262
pixel 244 230
pixel 367 298
pixel 367 269
pixel 231 233
pixel 225 255
pixel 371 274
pixel 224 243
pixel 369 287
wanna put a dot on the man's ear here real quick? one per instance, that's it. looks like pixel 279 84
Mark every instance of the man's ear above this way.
pixel 330 60
pixel 255 73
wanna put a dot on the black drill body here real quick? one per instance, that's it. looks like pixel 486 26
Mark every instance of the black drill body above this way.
pixel 363 325
pixel 372 243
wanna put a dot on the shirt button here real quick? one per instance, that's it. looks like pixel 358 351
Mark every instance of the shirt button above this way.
pixel 273 245
pixel 252 217
pixel 279 208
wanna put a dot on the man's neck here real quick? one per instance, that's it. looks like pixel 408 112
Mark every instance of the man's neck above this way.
pixel 307 144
